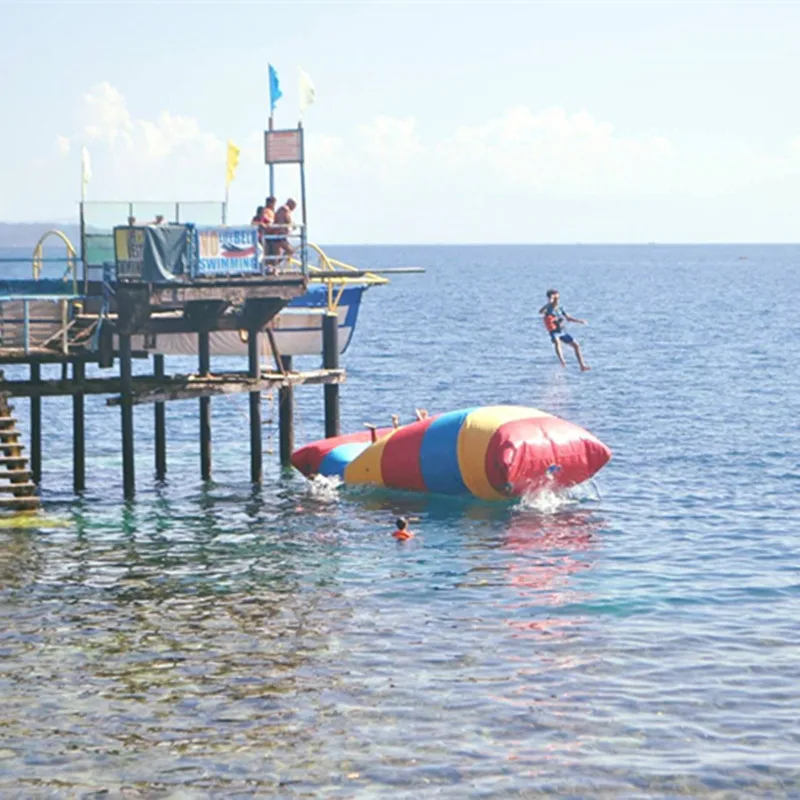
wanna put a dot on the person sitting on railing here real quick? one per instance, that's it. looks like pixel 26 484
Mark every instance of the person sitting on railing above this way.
pixel 284 225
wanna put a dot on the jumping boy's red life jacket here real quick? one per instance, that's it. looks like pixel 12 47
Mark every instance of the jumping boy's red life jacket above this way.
pixel 551 322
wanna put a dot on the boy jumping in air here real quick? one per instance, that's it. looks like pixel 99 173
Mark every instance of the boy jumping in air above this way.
pixel 554 319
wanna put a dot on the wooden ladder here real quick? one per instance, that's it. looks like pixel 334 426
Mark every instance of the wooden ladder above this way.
pixel 17 490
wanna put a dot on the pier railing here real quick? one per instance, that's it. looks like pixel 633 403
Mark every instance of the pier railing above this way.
pixel 114 236
pixel 37 322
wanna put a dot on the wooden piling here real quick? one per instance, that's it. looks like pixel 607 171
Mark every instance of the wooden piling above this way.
pixel 204 363
pixel 36 428
pixel 160 424
pixel 254 371
pixel 78 430
pixel 330 360
pixel 126 407
pixel 286 417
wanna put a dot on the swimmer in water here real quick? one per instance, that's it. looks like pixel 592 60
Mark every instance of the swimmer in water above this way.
pixel 401 532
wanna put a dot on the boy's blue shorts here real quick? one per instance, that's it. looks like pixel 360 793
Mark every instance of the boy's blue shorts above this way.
pixel 565 337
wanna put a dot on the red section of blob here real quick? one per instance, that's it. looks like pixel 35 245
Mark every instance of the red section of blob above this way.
pixel 400 465
pixel 308 458
pixel 529 453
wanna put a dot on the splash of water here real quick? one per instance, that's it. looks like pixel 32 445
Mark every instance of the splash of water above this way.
pixel 552 499
pixel 324 489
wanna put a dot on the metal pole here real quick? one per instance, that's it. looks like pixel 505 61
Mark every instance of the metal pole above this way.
pixel 160 424
pixel 271 168
pixel 303 175
pixel 256 457
pixel 204 350
pixel 126 408
pixel 330 360
pixel 36 428
pixel 286 416
pixel 78 430
pixel 83 252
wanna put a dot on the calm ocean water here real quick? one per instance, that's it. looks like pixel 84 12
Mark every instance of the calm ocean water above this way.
pixel 638 638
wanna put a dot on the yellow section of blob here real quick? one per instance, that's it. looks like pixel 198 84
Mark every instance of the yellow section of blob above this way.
pixel 473 442
pixel 366 468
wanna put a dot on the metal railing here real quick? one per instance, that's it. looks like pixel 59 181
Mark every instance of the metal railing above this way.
pixel 337 282
pixel 29 322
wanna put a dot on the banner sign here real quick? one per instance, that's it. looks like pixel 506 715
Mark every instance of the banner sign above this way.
pixel 283 147
pixel 129 251
pixel 227 251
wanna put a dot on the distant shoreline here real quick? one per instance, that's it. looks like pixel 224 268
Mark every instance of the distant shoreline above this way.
pixel 27 234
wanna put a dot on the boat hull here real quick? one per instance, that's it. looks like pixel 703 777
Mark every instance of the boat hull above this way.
pixel 297 329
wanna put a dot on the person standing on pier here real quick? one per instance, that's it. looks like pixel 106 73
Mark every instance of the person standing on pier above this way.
pixel 284 224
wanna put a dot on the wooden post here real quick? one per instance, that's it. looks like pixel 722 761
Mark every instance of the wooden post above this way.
pixel 160 425
pixel 256 450
pixel 78 430
pixel 36 428
pixel 126 407
pixel 286 416
pixel 330 360
pixel 204 351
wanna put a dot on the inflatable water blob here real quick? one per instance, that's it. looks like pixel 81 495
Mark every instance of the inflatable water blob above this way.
pixel 493 453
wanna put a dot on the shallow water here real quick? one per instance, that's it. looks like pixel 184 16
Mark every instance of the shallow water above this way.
pixel 639 638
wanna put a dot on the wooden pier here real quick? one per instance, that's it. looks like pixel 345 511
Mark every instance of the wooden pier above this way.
pixel 136 299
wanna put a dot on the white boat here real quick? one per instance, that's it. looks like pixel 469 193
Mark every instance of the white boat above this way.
pixel 297 328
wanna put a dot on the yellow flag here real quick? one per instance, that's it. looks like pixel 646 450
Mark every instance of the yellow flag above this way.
pixel 232 162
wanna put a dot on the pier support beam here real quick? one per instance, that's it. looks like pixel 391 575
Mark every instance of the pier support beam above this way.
pixel 254 371
pixel 286 417
pixel 36 428
pixel 204 364
pixel 126 407
pixel 78 431
pixel 330 360
pixel 160 425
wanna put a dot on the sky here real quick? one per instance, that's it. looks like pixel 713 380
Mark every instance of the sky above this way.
pixel 434 122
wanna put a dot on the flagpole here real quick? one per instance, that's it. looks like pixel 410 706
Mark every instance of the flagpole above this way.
pixel 302 172
pixel 82 222
pixel 227 200
pixel 271 167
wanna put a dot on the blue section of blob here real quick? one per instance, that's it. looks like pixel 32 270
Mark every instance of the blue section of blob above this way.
pixel 337 459
pixel 438 454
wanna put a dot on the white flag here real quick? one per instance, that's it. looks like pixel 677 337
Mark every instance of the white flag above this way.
pixel 86 171
pixel 307 92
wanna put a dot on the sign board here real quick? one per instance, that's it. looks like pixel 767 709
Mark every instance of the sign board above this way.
pixel 129 251
pixel 227 251
pixel 283 147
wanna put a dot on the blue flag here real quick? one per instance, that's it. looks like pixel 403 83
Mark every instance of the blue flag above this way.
pixel 275 92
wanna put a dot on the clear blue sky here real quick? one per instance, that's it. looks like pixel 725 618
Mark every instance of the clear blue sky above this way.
pixel 433 122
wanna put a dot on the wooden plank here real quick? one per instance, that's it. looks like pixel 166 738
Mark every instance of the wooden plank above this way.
pixel 173 387
pixel 21 488
pixel 15 474
pixel 215 385
pixel 20 503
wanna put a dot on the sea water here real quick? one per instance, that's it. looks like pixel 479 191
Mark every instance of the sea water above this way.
pixel 637 637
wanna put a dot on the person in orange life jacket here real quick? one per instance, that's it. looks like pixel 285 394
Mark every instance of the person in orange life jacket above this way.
pixel 554 318
pixel 257 217
pixel 401 532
